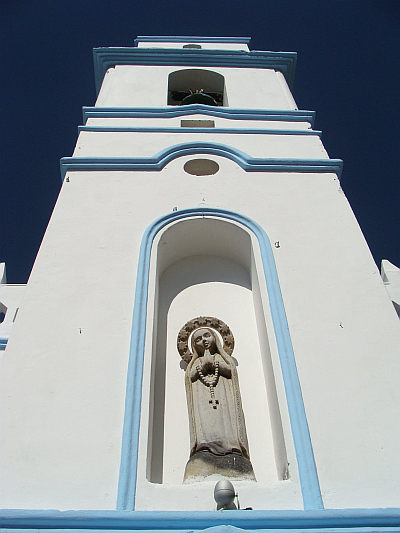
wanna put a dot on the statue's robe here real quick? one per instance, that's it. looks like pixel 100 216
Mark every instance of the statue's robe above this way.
pixel 219 432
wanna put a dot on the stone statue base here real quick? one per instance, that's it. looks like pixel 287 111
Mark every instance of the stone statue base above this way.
pixel 204 463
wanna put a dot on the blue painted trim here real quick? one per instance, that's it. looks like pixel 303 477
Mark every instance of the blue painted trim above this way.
pixel 184 129
pixel 292 115
pixel 130 439
pixel 343 520
pixel 162 158
pixel 3 343
pixel 191 39
pixel 105 58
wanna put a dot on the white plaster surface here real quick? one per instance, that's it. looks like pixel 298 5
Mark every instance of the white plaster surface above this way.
pixel 3 276
pixel 175 122
pixel 204 46
pixel 63 374
pixel 391 277
pixel 10 299
pixel 146 86
pixel 147 144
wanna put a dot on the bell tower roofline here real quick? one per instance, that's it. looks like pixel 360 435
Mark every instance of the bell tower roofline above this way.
pixel 141 39
pixel 188 52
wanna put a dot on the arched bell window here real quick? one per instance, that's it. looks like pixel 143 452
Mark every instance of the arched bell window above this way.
pixel 196 86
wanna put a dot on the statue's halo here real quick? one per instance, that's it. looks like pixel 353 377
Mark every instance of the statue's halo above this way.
pixel 204 322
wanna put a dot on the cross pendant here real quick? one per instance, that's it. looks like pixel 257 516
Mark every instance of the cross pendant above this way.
pixel 214 402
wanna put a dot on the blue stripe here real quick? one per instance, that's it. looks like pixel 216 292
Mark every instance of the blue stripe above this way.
pixel 3 343
pixel 130 441
pixel 162 158
pixel 290 115
pixel 343 520
pixel 184 129
pixel 105 58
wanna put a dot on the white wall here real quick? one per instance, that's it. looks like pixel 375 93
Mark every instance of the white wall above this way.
pixel 135 144
pixel 205 46
pixel 10 299
pixel 175 122
pixel 63 377
pixel 146 86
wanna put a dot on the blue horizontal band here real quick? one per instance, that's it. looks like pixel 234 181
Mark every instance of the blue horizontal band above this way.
pixel 343 520
pixel 178 129
pixel 105 58
pixel 192 39
pixel 130 437
pixel 3 343
pixel 162 158
pixel 289 115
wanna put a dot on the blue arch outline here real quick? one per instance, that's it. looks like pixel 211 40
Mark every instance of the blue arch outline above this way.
pixel 165 156
pixel 311 493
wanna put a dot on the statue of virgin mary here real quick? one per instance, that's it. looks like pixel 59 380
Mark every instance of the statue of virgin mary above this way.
pixel 218 440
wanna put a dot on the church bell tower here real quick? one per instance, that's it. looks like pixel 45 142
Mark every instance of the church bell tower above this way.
pixel 203 307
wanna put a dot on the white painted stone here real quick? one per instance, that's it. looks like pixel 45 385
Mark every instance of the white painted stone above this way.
pixel 135 144
pixel 204 46
pixel 10 299
pixel 391 277
pixel 175 122
pixel 147 86
pixel 63 375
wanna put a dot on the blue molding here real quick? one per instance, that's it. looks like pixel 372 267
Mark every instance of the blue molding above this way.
pixel 162 158
pixel 130 437
pixel 286 115
pixel 191 39
pixel 105 58
pixel 3 343
pixel 323 521
pixel 180 129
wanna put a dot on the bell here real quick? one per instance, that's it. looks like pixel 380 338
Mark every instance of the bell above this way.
pixel 198 98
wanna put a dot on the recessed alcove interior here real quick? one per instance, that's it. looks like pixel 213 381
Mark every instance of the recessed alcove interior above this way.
pixel 182 82
pixel 207 267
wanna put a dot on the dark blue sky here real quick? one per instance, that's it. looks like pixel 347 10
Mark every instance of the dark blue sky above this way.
pixel 348 70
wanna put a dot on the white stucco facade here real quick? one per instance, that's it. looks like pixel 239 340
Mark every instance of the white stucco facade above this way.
pixel 146 86
pixel 64 372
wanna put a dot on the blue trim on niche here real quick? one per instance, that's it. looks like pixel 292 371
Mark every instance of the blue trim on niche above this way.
pixel 3 343
pixel 130 439
pixel 105 58
pixel 290 115
pixel 184 129
pixel 343 520
pixel 162 158
pixel 191 39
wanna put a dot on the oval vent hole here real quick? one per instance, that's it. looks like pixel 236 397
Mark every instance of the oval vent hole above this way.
pixel 201 167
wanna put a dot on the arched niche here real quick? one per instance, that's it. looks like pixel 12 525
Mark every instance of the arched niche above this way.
pixel 206 266
pixel 134 489
pixel 182 82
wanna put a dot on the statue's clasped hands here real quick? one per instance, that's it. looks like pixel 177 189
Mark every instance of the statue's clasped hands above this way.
pixel 207 362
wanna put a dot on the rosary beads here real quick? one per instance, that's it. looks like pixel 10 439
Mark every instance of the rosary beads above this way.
pixel 211 382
